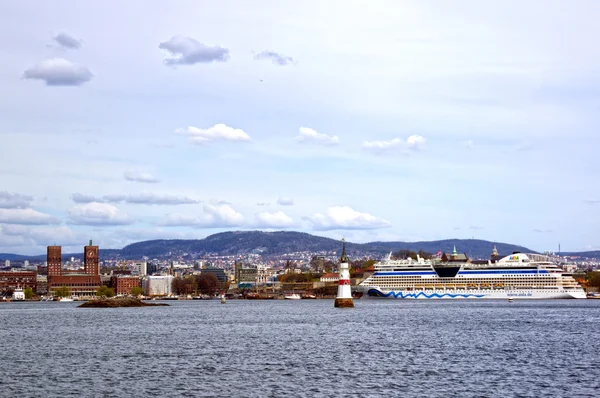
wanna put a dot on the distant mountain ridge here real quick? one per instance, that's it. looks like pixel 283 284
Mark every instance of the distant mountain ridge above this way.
pixel 281 242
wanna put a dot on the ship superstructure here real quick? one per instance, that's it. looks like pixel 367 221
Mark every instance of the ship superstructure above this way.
pixel 518 276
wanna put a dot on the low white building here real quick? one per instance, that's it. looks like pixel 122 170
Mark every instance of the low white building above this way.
pixel 157 285
pixel 330 277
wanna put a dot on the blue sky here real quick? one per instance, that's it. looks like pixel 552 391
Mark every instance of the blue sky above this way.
pixel 392 120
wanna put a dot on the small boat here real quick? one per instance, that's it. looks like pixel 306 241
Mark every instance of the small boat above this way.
pixel 510 299
pixel 18 295
pixel 309 296
pixel 223 299
pixel 292 296
pixel 65 299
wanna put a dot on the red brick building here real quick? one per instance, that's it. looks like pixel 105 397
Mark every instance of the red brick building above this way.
pixel 83 285
pixel 17 280
pixel 124 283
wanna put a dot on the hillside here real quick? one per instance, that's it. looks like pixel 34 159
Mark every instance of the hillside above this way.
pixel 277 243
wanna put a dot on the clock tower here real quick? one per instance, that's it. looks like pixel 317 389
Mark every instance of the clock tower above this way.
pixel 91 256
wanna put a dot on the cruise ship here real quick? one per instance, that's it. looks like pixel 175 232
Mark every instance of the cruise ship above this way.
pixel 517 276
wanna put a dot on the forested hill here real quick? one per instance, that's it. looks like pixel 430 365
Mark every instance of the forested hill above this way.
pixel 277 243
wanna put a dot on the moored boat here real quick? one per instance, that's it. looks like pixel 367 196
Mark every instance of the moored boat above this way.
pixel 517 276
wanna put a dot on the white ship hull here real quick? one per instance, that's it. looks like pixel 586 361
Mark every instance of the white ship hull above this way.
pixel 375 293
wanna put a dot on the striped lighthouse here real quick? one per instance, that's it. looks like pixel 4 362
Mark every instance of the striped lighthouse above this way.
pixel 344 295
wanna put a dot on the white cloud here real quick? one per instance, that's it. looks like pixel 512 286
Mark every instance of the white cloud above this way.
pixel 14 200
pixel 44 236
pixel 98 214
pixel 145 198
pixel 262 204
pixel 214 217
pixel 67 41
pixel 217 132
pixel 134 175
pixel 592 201
pixel 344 217
pixel 188 51
pixel 26 217
pixel 412 143
pixel 308 135
pixel 469 144
pixel 274 219
pixel 285 201
pixel 274 57
pixel 59 72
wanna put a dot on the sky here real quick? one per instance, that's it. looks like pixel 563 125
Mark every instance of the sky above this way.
pixel 373 121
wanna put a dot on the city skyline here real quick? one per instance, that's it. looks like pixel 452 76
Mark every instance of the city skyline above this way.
pixel 398 121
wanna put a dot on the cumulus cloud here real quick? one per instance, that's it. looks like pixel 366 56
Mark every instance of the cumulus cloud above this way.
pixel 134 175
pixel 187 51
pixel 275 58
pixel 66 41
pixel 214 217
pixel 59 72
pixel 14 200
pixel 285 201
pixel 308 135
pixel 145 198
pixel 26 217
pixel 274 219
pixel 217 132
pixel 98 214
pixel 412 143
pixel 344 217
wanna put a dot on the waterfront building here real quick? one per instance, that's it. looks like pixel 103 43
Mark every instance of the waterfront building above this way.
pixel 245 276
pixel 157 285
pixel 7 263
pixel 79 284
pixel 42 284
pixel 124 283
pixel 344 295
pixel 11 280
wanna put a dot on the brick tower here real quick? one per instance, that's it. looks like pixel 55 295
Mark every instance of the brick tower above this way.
pixel 91 255
pixel 54 260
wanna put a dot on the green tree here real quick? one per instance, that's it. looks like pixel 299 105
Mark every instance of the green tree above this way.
pixel 105 291
pixel 137 291
pixel 28 293
pixel 62 291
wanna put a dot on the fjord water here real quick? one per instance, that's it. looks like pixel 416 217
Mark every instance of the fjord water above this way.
pixel 302 348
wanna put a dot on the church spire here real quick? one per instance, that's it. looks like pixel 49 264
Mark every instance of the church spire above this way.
pixel 454 253
pixel 495 252
pixel 344 258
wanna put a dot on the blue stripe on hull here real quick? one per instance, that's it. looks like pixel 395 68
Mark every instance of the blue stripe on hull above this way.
pixel 375 292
